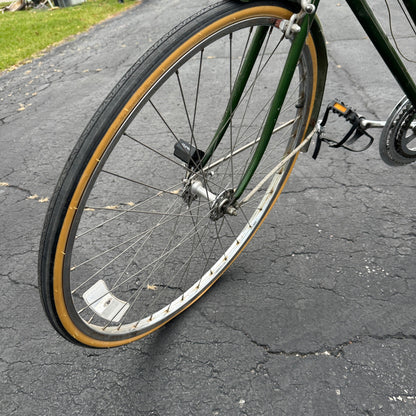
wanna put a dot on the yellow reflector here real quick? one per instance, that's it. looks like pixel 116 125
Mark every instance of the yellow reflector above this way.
pixel 340 107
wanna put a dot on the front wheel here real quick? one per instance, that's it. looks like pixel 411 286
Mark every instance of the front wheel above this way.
pixel 141 223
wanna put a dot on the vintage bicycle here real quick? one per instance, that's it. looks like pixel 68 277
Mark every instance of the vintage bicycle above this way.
pixel 185 158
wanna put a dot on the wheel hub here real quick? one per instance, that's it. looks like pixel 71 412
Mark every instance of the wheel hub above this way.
pixel 219 204
pixel 222 205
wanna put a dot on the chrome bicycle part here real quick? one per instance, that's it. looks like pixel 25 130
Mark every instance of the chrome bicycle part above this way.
pixel 307 6
pixel 398 138
pixel 291 26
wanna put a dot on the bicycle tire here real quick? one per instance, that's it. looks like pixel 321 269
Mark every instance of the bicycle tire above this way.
pixel 100 203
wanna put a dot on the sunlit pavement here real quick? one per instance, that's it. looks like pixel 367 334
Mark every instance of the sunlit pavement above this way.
pixel 318 317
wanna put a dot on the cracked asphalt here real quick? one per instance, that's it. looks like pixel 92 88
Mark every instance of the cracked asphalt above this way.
pixel 317 318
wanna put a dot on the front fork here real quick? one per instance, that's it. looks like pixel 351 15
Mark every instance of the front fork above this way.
pixel 298 28
pixel 305 18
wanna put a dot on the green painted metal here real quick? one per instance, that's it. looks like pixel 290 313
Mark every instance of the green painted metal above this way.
pixel 277 103
pixel 368 21
pixel 238 88
pixel 322 64
pixel 411 7
pixel 378 37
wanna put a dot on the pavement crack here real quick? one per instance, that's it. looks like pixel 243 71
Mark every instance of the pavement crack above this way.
pixel 308 189
pixel 29 194
pixel 17 282
pixel 335 351
pixel 397 336
pixel 320 286
pixel 19 188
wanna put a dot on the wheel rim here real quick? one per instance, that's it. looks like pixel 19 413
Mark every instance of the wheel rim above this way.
pixel 89 295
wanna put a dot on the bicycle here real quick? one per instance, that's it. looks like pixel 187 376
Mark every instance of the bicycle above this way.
pixel 153 207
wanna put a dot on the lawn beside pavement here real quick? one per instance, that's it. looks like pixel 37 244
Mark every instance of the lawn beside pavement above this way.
pixel 27 33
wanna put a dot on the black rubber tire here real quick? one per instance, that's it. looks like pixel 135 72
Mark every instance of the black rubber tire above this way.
pixel 78 178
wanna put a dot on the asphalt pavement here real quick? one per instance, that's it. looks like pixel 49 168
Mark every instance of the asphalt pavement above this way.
pixel 318 317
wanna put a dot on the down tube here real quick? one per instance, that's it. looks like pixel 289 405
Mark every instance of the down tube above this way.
pixel 411 8
pixel 368 21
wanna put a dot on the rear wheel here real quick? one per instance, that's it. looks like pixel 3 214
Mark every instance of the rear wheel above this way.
pixel 137 229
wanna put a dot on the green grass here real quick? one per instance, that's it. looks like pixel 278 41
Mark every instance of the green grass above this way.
pixel 25 34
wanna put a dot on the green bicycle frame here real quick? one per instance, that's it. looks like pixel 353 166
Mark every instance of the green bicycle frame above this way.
pixel 277 103
pixel 368 21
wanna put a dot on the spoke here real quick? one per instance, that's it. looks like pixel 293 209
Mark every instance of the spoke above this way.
pixel 146 185
pixel 226 220
pixel 107 265
pixel 409 139
pixel 185 265
pixel 104 252
pixel 247 146
pixel 185 107
pixel 249 88
pixel 117 283
pixel 259 70
pixel 175 242
pixel 165 255
pixel 238 74
pixel 252 150
pixel 157 152
pixel 160 264
pixel 164 121
pixel 194 221
pixel 192 127
pixel 134 206
pixel 217 231
pixel 250 32
pixel 129 211
pixel 139 238
pixel 135 296
pixel 217 239
pixel 279 166
pixel 197 94
pixel 287 107
pixel 139 248
pixel 136 236
pixel 260 129
pixel 183 166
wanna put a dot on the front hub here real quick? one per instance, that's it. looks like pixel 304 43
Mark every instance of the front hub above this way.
pixel 219 205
